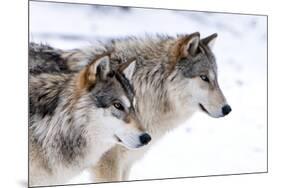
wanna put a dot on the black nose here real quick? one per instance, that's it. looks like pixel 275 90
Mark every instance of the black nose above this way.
pixel 226 109
pixel 145 138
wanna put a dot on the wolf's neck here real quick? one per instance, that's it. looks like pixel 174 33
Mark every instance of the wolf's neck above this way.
pixel 156 103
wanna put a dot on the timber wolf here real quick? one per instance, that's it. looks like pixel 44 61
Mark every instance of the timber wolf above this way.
pixel 76 117
pixel 174 78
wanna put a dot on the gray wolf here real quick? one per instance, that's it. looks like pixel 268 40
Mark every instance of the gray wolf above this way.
pixel 76 117
pixel 174 77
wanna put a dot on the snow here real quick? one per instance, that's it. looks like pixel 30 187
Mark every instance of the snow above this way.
pixel 203 145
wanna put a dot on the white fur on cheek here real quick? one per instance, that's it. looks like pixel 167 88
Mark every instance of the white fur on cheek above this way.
pixel 108 127
pixel 126 101
pixel 134 102
pixel 212 75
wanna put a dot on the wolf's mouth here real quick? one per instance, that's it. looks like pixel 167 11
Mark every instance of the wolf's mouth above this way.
pixel 203 108
pixel 127 145
pixel 117 138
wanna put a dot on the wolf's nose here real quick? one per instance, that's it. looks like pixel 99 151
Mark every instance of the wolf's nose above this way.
pixel 226 109
pixel 145 138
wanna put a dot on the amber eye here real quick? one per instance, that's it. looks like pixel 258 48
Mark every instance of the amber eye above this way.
pixel 118 106
pixel 205 78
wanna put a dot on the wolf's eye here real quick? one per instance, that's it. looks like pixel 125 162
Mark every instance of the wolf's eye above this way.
pixel 118 106
pixel 205 78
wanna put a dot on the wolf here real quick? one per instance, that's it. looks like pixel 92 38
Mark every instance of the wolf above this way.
pixel 76 117
pixel 173 78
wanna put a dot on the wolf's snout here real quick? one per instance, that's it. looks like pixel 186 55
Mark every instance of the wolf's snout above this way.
pixel 145 138
pixel 226 109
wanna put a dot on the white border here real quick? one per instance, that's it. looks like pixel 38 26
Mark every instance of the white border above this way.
pixel 13 92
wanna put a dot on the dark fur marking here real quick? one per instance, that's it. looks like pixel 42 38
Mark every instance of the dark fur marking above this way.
pixel 45 103
pixel 45 59
pixel 49 107
pixel 103 101
pixel 70 147
pixel 154 74
pixel 129 90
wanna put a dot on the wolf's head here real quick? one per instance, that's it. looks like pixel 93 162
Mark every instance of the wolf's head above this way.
pixel 194 75
pixel 112 97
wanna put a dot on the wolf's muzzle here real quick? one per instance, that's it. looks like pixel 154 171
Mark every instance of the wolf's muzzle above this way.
pixel 145 138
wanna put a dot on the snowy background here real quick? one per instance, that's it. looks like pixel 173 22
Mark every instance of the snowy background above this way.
pixel 203 145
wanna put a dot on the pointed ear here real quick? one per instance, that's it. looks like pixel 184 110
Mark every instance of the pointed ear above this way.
pixel 186 45
pixel 99 68
pixel 128 68
pixel 192 43
pixel 210 40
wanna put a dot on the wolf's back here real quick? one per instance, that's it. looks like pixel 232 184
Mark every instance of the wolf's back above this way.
pixel 45 59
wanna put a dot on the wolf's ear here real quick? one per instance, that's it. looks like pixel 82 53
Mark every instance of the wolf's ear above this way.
pixel 99 69
pixel 210 40
pixel 187 45
pixel 128 68
pixel 193 43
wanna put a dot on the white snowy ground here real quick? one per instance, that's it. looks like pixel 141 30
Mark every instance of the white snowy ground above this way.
pixel 203 145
